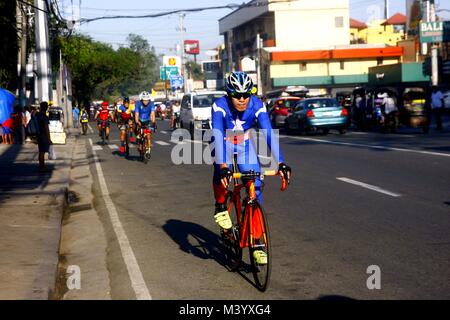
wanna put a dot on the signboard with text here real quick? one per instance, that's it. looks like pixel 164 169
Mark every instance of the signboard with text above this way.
pixel 431 32
pixel 166 72
pixel 192 46
pixel 176 82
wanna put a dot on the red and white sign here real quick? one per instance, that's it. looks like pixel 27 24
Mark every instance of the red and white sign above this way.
pixel 192 46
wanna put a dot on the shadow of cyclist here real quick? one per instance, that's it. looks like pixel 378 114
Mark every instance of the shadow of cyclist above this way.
pixel 197 240
pixel 204 244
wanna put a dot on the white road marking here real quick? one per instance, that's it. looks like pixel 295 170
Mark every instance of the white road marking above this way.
pixel 164 132
pixel 372 146
pixel 355 132
pixel 369 186
pixel 134 272
pixel 113 146
pixel 97 148
pixel 29 226
pixel 162 143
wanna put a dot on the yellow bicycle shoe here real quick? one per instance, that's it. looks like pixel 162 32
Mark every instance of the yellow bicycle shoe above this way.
pixel 260 257
pixel 223 220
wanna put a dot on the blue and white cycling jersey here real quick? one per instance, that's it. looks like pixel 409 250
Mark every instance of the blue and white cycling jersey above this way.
pixel 144 112
pixel 226 117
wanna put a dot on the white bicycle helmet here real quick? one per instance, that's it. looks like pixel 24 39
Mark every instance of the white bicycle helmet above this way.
pixel 144 96
pixel 239 82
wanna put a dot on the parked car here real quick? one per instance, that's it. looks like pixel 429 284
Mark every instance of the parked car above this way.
pixel 313 114
pixel 281 108
pixel 196 110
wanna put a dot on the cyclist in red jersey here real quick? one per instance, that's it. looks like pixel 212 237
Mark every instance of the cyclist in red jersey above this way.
pixel 103 115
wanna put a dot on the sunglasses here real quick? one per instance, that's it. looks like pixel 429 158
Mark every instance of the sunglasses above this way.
pixel 239 95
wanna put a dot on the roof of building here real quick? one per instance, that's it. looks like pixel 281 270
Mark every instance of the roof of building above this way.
pixel 357 24
pixel 396 19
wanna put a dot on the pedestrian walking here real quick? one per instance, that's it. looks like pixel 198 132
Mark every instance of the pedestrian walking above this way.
pixel 437 105
pixel 43 137
pixel 76 116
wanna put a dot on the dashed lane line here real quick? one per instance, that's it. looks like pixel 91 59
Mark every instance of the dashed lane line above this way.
pixel 369 186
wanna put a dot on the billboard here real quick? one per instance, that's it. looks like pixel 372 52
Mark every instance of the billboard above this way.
pixel 172 61
pixel 192 46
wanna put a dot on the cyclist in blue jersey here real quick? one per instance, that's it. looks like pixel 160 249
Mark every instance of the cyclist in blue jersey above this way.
pixel 237 111
pixel 144 113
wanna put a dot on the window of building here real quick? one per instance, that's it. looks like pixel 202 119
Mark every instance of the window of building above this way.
pixel 303 66
pixel 339 22
pixel 379 61
pixel 342 65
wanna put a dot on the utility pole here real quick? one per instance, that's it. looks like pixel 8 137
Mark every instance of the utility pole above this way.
pixel 182 29
pixel 434 49
pixel 43 52
pixel 22 30
pixel 386 9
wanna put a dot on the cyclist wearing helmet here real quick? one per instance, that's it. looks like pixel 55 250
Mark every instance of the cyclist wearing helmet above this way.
pixel 125 116
pixel 103 115
pixel 237 111
pixel 145 113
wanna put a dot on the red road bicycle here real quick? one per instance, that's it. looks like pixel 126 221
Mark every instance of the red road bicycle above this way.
pixel 250 227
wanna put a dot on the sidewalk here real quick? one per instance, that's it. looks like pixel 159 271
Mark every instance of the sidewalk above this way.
pixel 31 211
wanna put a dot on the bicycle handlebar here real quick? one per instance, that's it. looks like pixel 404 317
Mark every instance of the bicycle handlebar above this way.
pixel 254 175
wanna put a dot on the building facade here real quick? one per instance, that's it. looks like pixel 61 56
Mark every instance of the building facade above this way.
pixel 302 43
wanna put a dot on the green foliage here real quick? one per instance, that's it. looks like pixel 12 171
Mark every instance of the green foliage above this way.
pixel 9 45
pixel 194 70
pixel 100 72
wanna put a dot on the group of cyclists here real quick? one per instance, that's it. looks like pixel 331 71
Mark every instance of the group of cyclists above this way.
pixel 132 117
pixel 239 106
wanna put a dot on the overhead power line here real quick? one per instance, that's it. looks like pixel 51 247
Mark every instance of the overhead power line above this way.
pixel 157 15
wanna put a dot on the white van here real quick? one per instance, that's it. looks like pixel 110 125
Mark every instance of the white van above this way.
pixel 196 107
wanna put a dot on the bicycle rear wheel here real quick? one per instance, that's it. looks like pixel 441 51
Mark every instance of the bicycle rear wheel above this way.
pixel 259 239
pixel 103 136
pixel 233 251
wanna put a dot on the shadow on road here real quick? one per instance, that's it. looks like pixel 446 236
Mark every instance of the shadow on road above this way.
pixel 204 244
pixel 21 177
pixel 197 240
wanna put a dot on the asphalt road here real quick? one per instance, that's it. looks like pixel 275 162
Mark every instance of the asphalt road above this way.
pixel 326 229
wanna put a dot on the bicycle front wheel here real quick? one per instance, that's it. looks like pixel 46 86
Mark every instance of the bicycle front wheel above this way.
pixel 259 246
pixel 233 251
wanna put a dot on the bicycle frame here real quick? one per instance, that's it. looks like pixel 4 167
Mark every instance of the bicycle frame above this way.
pixel 247 221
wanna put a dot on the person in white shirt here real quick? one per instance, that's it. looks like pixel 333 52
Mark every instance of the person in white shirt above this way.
pixel 390 111
pixel 175 113
pixel 437 104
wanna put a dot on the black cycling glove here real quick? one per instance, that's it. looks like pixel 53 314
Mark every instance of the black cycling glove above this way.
pixel 226 173
pixel 286 170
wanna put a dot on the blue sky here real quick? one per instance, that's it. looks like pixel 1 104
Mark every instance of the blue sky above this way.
pixel 161 32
